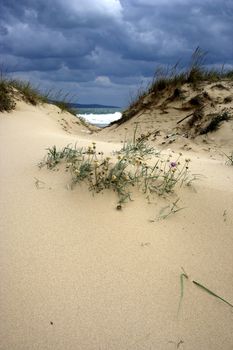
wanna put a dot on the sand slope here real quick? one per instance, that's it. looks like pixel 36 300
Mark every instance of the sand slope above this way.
pixel 177 120
pixel 78 274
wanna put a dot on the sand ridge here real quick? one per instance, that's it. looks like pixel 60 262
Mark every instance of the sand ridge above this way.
pixel 78 274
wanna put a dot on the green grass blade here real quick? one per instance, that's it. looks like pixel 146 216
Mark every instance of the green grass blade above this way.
pixel 212 293
pixel 182 277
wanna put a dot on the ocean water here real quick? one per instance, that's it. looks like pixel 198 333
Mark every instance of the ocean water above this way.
pixel 100 116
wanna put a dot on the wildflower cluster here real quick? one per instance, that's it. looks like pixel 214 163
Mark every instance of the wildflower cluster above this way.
pixel 126 169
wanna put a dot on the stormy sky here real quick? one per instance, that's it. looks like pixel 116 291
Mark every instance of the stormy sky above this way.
pixel 103 51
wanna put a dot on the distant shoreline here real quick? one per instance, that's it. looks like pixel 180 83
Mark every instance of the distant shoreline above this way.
pixel 79 105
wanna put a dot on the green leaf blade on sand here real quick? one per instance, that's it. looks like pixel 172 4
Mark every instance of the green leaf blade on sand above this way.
pixel 182 277
pixel 211 293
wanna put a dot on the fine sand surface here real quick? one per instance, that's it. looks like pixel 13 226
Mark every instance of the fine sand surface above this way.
pixel 78 274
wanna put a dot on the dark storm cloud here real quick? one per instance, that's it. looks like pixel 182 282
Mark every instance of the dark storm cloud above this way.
pixel 111 43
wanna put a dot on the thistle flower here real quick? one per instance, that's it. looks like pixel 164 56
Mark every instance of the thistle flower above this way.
pixel 173 164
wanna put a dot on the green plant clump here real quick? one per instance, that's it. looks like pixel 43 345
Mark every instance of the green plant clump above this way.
pixel 131 167
pixel 6 101
pixel 65 107
pixel 30 94
pixel 216 122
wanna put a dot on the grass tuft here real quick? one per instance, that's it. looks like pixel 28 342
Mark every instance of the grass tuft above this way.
pixel 170 79
pixel 215 123
pixel 7 102
pixel 65 107
pixel 9 88
pixel 29 93
pixel 135 165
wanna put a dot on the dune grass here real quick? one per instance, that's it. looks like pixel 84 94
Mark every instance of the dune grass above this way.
pixel 7 102
pixel 29 93
pixel 171 79
pixel 10 88
pixel 215 123
pixel 194 74
pixel 136 165
pixel 61 100
pixel 65 107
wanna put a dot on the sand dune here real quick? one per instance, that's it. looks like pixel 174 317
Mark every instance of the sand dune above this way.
pixel 78 274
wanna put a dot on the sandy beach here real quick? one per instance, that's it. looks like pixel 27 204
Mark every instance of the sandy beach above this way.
pixel 78 274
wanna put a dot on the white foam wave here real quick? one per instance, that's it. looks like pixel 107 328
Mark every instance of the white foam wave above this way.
pixel 101 119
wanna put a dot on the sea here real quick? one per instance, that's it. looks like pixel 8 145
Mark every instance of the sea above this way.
pixel 100 117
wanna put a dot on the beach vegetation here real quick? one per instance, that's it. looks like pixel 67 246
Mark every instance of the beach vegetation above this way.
pixel 170 80
pixel 169 210
pixel 28 92
pixel 12 89
pixel 215 122
pixel 136 165
pixel 61 100
pixel 83 122
pixel 7 102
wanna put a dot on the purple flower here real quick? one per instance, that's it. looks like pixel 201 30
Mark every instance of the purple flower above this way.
pixel 173 164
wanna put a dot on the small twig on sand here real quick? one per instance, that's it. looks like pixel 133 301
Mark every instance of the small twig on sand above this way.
pixel 187 116
pixel 38 183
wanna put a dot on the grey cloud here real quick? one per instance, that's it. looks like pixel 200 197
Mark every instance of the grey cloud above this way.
pixel 76 42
